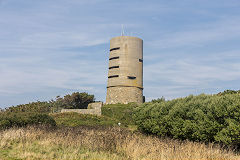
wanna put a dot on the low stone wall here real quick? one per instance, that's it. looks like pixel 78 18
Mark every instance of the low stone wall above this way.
pixel 93 108
pixel 83 111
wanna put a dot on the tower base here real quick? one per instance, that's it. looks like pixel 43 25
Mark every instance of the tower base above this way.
pixel 124 95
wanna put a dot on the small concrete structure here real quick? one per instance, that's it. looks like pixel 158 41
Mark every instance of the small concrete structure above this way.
pixel 125 74
pixel 93 108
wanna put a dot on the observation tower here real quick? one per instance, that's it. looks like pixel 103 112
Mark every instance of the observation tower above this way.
pixel 125 74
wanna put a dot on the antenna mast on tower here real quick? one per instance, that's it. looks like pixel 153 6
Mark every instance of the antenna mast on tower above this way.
pixel 122 33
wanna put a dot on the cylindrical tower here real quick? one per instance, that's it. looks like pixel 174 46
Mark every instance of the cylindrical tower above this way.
pixel 125 74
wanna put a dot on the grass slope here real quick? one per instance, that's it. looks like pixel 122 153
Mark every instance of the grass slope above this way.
pixel 120 112
pixel 76 119
pixel 111 116
pixel 100 143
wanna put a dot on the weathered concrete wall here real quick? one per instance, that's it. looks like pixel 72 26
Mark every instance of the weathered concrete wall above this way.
pixel 124 95
pixel 83 111
pixel 125 75
pixel 93 108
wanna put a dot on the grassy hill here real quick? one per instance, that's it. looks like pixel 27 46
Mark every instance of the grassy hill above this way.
pixel 76 136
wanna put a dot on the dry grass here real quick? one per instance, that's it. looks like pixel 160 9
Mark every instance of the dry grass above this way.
pixel 100 143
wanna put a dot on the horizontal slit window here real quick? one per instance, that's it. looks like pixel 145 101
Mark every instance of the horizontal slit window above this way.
pixel 113 67
pixel 131 77
pixel 113 58
pixel 140 60
pixel 112 49
pixel 113 76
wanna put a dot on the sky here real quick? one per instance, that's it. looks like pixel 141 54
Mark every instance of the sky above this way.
pixel 51 48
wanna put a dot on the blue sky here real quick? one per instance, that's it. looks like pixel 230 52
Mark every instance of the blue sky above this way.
pixel 56 47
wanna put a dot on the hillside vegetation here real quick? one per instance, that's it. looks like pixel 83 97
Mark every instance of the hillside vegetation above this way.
pixel 75 100
pixel 194 127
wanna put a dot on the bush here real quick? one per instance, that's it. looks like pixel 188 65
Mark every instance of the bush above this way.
pixel 8 119
pixel 38 107
pixel 41 119
pixel 229 92
pixel 206 118
pixel 74 101
pixel 162 99
pixel 4 124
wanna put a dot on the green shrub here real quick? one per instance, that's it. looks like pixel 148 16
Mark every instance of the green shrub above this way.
pixel 4 124
pixel 8 119
pixel 229 92
pixel 41 119
pixel 76 100
pixel 199 118
pixel 38 107
pixel 162 99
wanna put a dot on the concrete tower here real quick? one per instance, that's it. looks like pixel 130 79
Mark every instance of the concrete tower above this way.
pixel 125 74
